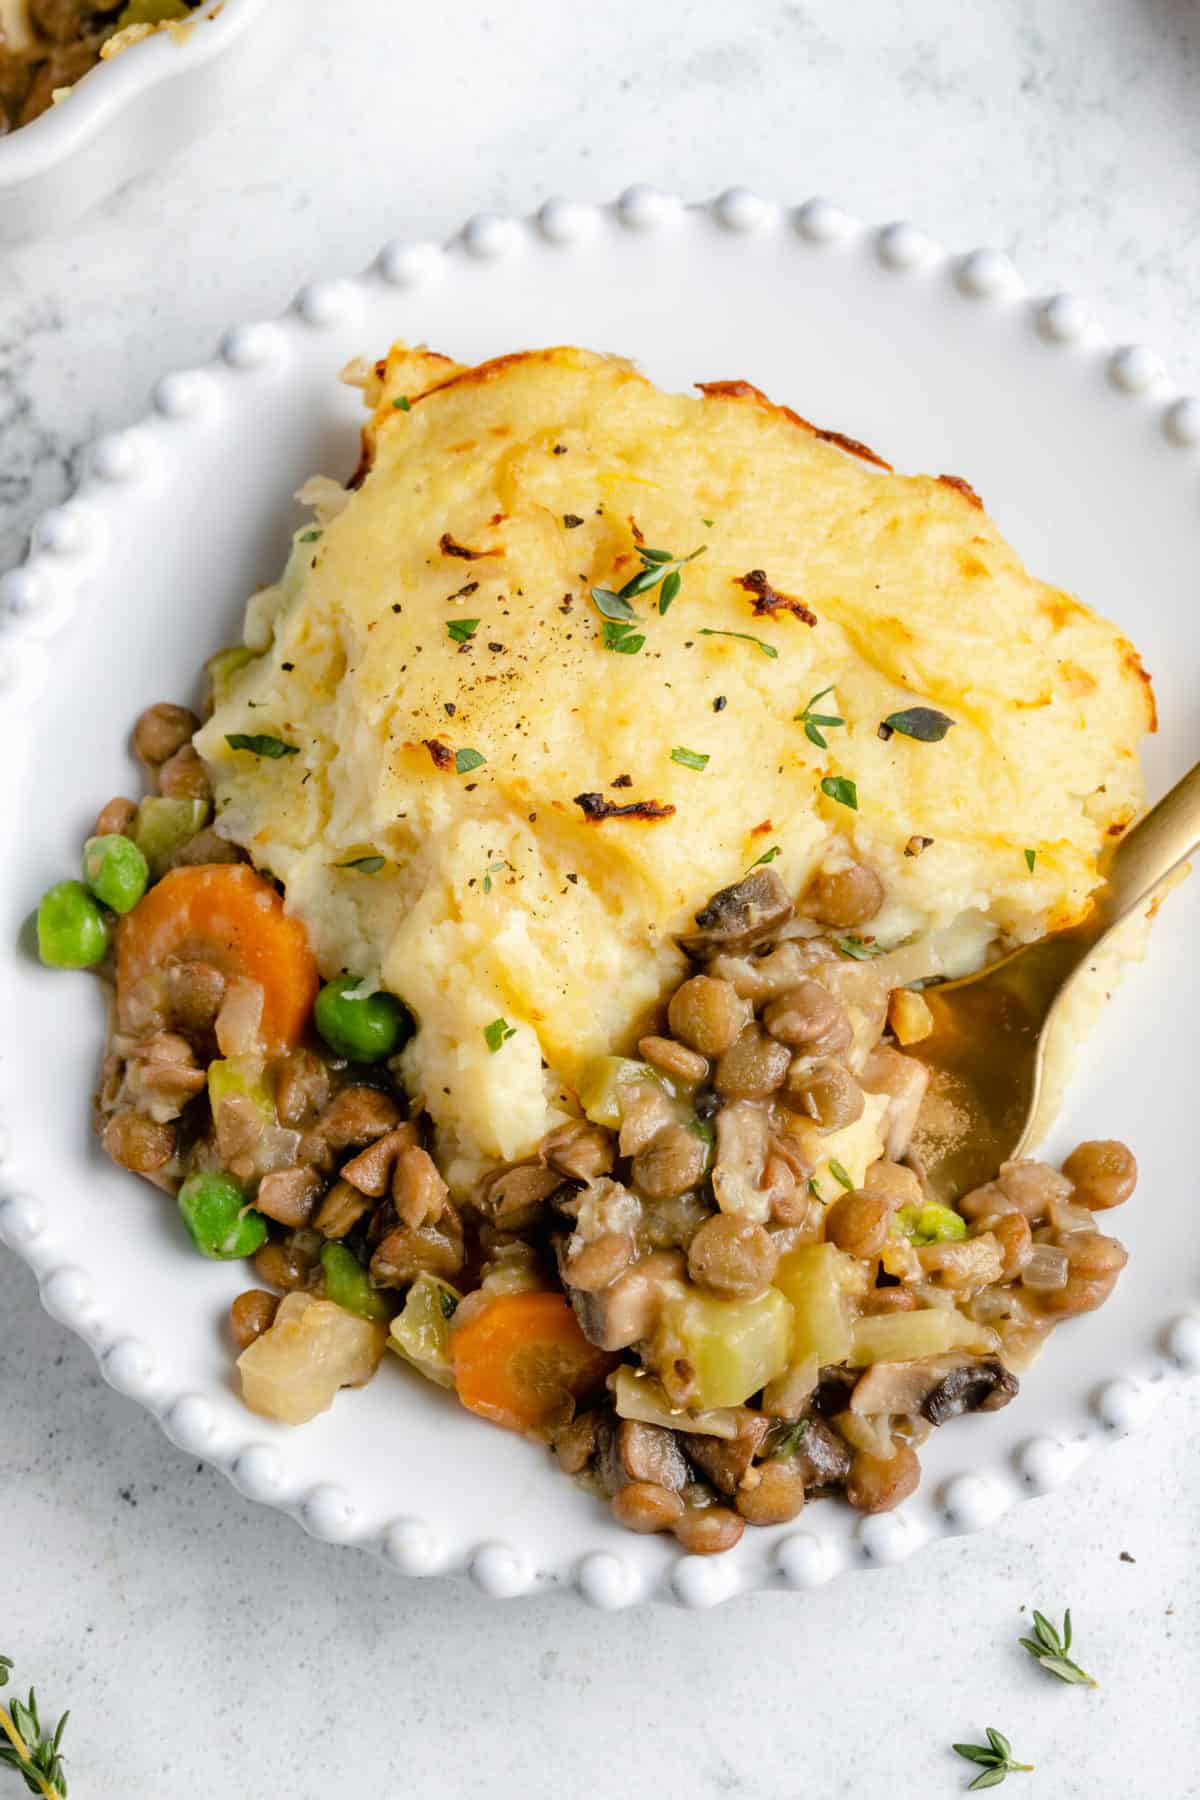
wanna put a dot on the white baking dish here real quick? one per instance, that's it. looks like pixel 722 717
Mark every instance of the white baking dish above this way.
pixel 128 114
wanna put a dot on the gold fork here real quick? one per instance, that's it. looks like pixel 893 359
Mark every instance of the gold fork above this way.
pixel 987 1099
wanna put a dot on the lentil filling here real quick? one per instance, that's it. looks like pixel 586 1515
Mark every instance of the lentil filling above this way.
pixel 719 1292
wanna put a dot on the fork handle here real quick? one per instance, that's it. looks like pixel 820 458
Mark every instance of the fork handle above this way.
pixel 1169 833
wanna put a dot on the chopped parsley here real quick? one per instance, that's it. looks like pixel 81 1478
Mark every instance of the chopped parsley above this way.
pixel 841 789
pixel 707 522
pixel 744 636
pixel 768 856
pixel 366 865
pixel 461 631
pixel 497 1033
pixel 259 744
pixel 447 1302
pixel 403 404
pixel 858 949
pixel 691 759
pixel 812 721
pixel 814 1190
pixel 1030 859
pixel 839 1173
pixel 466 760
pixel 309 537
pixel 924 723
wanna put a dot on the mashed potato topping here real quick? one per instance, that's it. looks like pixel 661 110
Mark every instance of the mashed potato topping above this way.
pixel 436 662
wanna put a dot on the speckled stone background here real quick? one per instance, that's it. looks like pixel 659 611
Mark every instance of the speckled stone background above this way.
pixel 207 1647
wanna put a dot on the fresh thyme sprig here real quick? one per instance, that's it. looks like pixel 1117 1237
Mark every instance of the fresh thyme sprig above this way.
pixel 812 721
pixel 34 1754
pixel 658 566
pixel 1051 1651
pixel 995 1759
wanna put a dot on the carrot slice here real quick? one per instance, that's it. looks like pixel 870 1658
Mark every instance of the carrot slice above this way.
pixel 522 1357
pixel 227 915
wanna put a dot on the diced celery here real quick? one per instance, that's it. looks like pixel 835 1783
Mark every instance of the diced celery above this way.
pixel 603 1079
pixel 163 825
pixel 931 1224
pixel 899 1337
pixel 222 668
pixel 241 1076
pixel 818 1280
pixel 728 1348
pixel 421 1333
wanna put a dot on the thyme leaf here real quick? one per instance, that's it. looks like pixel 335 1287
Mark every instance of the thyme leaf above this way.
pixel 1050 1649
pixel 841 789
pixel 994 1760
pixel 745 637
pixel 924 723
pixel 813 721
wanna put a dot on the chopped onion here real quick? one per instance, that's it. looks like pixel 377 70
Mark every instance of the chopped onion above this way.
pixel 1066 1218
pixel 786 1396
pixel 992 1304
pixel 1046 1270
pixel 641 1397
pixel 872 1433
pixel 239 1019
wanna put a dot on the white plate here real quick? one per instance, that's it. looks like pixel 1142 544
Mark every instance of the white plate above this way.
pixel 127 114
pixel 1089 464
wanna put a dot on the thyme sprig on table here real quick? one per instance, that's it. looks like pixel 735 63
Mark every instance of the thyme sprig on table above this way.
pixel 1051 1651
pixel 33 1753
pixel 995 1759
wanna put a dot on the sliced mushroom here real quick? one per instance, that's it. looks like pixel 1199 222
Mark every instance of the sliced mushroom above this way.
pixel 936 1388
pixel 823 1455
pixel 511 1198
pixel 371 1170
pixel 578 1150
pixel 627 1310
pixel 356 1116
pixel 742 1137
pixel 638 1452
pixel 740 916
pixel 982 1385
pixel 289 1196
pixel 726 1460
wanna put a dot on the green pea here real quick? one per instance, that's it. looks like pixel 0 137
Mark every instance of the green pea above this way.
pixel 362 1029
pixel 71 930
pixel 218 1218
pixel 931 1224
pixel 346 1284
pixel 115 870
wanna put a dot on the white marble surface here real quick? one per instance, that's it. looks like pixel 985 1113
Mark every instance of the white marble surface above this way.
pixel 207 1647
